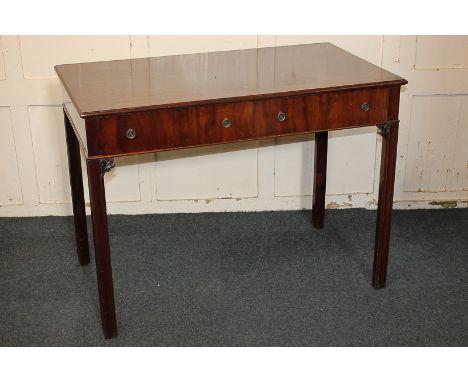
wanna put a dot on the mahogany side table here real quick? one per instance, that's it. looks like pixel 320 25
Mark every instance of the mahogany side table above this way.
pixel 126 107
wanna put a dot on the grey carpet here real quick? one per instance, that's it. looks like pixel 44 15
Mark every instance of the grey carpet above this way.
pixel 240 279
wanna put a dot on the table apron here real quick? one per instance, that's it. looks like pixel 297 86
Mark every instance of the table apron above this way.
pixel 192 126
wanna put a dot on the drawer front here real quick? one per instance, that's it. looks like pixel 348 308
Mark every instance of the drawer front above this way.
pixel 225 123
pixel 142 132
pixel 171 129
pixel 327 111
pixel 284 116
pixel 168 129
pixel 362 107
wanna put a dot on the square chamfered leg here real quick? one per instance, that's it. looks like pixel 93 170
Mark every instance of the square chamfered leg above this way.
pixel 320 178
pixel 77 194
pixel 97 194
pixel 389 133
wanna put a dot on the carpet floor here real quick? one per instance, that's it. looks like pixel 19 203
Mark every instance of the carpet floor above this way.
pixel 240 279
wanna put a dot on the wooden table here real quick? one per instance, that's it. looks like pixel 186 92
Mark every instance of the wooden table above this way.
pixel 127 107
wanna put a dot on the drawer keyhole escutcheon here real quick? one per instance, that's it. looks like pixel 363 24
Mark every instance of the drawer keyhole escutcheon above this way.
pixel 365 106
pixel 226 123
pixel 131 133
pixel 281 116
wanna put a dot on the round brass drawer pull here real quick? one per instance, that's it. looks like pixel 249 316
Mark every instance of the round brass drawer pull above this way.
pixel 365 106
pixel 226 123
pixel 131 133
pixel 281 116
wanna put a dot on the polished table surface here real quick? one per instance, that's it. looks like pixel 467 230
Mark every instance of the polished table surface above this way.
pixel 103 88
pixel 127 107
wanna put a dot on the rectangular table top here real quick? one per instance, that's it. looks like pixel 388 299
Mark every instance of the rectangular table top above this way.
pixel 113 87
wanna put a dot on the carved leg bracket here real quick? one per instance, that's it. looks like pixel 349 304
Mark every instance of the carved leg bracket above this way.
pixel 384 130
pixel 107 164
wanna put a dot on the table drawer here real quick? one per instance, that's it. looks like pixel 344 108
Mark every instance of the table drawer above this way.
pixel 362 107
pixel 171 129
pixel 333 110
pixel 283 116
pixel 225 123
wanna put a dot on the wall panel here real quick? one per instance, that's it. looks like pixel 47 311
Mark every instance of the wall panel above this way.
pixel 441 52
pixel 2 63
pixel 438 158
pixel 10 188
pixel 40 53
pixel 351 157
pixel 458 176
pixel 227 171
pixel 170 45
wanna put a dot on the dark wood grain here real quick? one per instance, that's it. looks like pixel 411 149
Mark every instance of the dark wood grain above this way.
pixel 389 134
pixel 320 179
pixel 112 87
pixel 178 102
pixel 175 128
pixel 77 194
pixel 301 113
pixel 101 246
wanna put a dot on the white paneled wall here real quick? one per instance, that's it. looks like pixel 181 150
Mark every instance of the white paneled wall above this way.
pixel 439 141
pixel 218 172
pixel 10 189
pixel 169 45
pixel 272 174
pixel 2 65
pixel 68 49
pixel 350 152
pixel 441 52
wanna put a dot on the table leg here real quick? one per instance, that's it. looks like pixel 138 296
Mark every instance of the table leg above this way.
pixel 320 178
pixel 389 133
pixel 77 194
pixel 96 170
